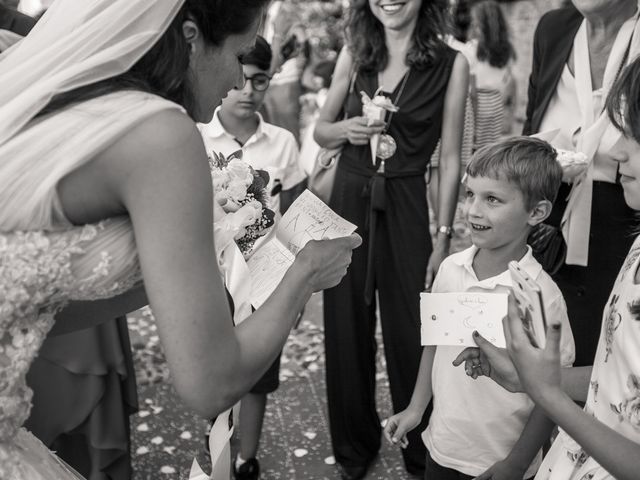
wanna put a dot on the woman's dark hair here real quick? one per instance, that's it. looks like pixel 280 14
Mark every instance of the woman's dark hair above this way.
pixel 489 25
pixel 164 69
pixel 366 39
pixel 623 102
pixel 260 55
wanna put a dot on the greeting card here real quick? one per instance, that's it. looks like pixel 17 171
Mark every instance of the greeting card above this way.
pixel 451 318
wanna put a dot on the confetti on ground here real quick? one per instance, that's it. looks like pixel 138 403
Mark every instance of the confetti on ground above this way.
pixel 167 470
pixel 310 435
pixel 143 427
pixel 185 435
pixel 330 460
pixel 300 452
pixel 144 413
pixel 142 450
pixel 157 440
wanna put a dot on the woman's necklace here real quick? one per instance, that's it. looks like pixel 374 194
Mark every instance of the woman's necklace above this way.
pixel 387 145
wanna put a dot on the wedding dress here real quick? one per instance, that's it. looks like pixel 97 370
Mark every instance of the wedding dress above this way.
pixel 45 261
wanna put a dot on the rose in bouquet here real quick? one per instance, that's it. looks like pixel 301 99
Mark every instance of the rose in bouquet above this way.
pixel 241 202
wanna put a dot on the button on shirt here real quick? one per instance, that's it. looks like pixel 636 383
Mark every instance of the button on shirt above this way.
pixel 475 423
pixel 270 148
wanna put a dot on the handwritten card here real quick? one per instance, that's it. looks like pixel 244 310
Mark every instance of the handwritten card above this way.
pixel 308 218
pixel 451 318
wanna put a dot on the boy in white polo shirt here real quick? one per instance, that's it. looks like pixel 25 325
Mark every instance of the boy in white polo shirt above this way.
pixel 480 429
pixel 237 125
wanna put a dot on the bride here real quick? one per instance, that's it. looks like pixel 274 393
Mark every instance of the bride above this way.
pixel 104 182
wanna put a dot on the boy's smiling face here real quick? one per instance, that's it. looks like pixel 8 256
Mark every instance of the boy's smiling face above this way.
pixel 245 102
pixel 496 214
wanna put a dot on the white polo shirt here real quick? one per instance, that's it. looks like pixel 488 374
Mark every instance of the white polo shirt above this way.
pixel 270 148
pixel 476 423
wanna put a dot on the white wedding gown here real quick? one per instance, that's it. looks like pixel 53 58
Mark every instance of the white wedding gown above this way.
pixel 45 261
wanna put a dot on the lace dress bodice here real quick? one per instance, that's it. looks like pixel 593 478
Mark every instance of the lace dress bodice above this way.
pixel 40 271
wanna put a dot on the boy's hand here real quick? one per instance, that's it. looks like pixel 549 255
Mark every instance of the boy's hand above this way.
pixel 397 426
pixel 503 470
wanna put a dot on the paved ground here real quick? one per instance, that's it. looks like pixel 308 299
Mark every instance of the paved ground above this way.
pixel 295 443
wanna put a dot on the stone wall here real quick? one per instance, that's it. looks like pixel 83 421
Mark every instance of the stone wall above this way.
pixel 522 17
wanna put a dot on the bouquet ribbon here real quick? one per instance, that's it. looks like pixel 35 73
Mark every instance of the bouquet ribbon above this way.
pixel 236 273
pixel 219 451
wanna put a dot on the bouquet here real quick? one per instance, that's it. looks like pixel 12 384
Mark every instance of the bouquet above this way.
pixel 382 145
pixel 241 201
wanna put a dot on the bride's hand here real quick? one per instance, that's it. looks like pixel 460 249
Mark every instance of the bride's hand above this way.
pixel 327 261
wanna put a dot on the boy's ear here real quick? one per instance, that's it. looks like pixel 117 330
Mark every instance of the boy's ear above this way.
pixel 540 212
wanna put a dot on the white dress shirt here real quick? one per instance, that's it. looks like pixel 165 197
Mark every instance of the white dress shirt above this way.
pixel 270 148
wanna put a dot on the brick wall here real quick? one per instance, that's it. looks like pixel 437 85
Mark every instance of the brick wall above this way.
pixel 522 17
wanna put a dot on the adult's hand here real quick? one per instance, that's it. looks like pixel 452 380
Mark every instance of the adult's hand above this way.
pixel 359 131
pixel 490 361
pixel 327 260
pixel 539 370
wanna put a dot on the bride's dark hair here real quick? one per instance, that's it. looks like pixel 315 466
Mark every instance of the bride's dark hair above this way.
pixel 164 69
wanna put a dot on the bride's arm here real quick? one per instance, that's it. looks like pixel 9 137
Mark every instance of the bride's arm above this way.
pixel 160 174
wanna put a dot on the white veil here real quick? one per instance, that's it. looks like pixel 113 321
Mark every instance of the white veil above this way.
pixel 76 43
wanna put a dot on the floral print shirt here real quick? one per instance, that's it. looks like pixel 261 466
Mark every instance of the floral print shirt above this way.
pixel 614 389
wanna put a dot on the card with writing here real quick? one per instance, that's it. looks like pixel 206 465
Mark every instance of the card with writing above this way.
pixel 451 318
pixel 308 218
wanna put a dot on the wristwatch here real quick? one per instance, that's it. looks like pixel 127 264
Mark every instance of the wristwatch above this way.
pixel 445 230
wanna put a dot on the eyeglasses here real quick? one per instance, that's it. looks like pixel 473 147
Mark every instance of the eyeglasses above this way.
pixel 259 82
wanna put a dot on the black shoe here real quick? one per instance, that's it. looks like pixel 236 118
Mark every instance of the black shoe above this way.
pixel 354 472
pixel 249 470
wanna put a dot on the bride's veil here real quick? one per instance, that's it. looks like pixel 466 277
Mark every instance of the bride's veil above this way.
pixel 75 43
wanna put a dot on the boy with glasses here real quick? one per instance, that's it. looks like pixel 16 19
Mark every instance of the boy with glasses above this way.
pixel 237 125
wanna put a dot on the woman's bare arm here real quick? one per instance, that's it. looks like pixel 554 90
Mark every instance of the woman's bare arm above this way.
pixel 160 173
pixel 449 167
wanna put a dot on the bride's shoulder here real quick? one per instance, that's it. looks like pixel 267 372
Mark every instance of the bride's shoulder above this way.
pixel 165 135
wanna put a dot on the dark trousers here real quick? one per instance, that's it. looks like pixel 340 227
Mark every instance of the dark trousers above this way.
pixel 350 348
pixel 435 471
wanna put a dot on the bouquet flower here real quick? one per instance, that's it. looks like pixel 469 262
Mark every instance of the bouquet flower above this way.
pixel 241 202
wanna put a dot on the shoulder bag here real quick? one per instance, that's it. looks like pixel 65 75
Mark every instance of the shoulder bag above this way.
pixel 324 170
